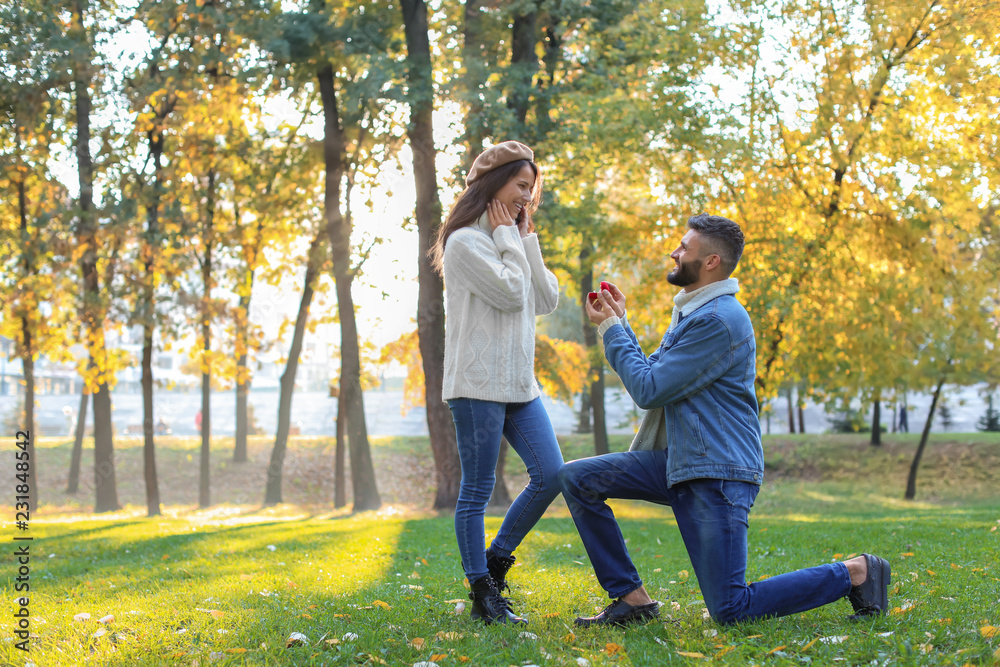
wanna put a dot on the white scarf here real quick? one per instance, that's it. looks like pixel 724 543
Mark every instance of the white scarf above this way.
pixel 686 302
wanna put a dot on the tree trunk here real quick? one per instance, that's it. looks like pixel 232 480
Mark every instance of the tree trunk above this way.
pixel 366 494
pixel 273 492
pixel 523 65
pixel 339 481
pixel 501 497
pixel 430 303
pixel 28 365
pixel 583 415
pixel 106 488
pixel 104 453
pixel 74 462
pixel 242 423
pixel 205 459
pixel 791 412
pixel 242 377
pixel 28 349
pixel 801 408
pixel 148 425
pixel 877 422
pixel 595 354
pixel 148 325
pixel 911 480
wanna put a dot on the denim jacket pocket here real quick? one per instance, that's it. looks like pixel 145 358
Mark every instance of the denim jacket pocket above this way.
pixel 695 436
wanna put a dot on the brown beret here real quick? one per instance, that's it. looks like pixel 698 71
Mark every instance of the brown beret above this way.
pixel 496 156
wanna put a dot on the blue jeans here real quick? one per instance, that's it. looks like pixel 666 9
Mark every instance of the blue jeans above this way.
pixel 713 518
pixel 478 427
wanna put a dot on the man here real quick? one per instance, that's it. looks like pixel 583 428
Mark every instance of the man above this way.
pixel 697 450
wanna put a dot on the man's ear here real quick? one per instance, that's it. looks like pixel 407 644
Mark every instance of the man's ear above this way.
pixel 713 262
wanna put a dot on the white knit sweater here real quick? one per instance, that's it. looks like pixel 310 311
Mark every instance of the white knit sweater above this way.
pixel 495 285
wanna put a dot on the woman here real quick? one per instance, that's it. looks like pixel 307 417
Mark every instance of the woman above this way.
pixel 496 283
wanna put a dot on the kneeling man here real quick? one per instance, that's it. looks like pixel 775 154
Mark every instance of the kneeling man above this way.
pixel 697 450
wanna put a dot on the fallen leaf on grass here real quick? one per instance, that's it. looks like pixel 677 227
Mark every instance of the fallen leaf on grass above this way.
pixel 107 619
pixel 459 608
pixel 82 616
pixel 989 631
pixel 690 654
pixel 438 656
pixel 341 615
pixel 570 637
pixel 583 662
pixel 463 658
pixel 554 614
pixel 424 663
pixel 214 612
pixel 349 637
pixel 100 633
pixel 296 639
pixel 724 651
pixel 613 649
pixel 661 642
pixel 528 635
pixel 907 606
pixel 908 554
pixel 836 639
pixel 236 651
pixel 755 636
pixel 165 557
pixel 809 645
pixel 377 660
pixel 417 643
pixel 776 649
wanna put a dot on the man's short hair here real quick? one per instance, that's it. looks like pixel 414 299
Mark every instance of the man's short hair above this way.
pixel 725 238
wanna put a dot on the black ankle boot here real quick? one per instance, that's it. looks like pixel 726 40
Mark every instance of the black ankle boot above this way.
pixel 489 606
pixel 498 567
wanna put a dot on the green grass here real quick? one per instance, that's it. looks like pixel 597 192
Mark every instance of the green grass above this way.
pixel 393 578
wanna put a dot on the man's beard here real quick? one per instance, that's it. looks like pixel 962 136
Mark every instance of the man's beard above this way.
pixel 685 274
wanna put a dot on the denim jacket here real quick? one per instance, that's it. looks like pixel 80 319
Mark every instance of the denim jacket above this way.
pixel 702 378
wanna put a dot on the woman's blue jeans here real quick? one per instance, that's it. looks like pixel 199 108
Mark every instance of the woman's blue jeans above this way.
pixel 713 518
pixel 478 427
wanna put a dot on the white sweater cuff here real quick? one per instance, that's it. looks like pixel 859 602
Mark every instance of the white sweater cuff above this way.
pixel 610 322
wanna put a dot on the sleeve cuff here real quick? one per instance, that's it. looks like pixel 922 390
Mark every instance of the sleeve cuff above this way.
pixel 610 322
pixel 603 327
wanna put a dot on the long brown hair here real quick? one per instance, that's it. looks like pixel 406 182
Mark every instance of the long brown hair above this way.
pixel 472 203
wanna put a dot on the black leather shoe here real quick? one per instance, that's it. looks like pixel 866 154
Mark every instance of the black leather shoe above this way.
pixel 871 597
pixel 621 613
pixel 489 606
pixel 498 567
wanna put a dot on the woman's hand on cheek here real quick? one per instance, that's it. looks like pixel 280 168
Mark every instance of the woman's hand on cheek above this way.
pixel 498 215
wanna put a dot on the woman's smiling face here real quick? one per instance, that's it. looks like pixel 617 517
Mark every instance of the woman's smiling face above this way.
pixel 516 193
